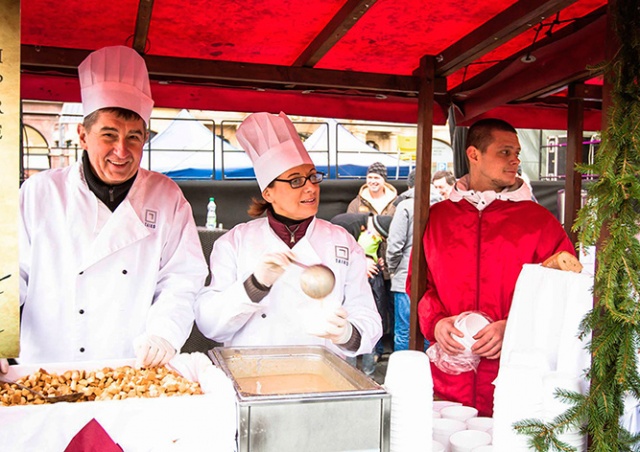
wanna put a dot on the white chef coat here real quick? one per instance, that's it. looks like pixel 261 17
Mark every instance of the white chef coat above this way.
pixel 92 280
pixel 286 316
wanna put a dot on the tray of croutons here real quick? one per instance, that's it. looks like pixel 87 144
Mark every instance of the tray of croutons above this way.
pixel 174 407
pixel 106 383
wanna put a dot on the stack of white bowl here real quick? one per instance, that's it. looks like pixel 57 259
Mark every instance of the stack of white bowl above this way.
pixel 484 424
pixel 408 380
pixel 459 412
pixel 437 446
pixel 438 405
pixel 456 419
pixel 468 440
pixel 443 428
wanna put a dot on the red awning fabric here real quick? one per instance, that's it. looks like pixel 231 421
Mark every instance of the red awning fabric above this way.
pixel 350 59
pixel 368 108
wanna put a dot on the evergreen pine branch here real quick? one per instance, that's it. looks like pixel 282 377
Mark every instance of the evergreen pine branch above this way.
pixel 610 218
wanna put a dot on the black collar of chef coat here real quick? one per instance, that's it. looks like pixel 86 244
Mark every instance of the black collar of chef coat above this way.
pixel 290 231
pixel 110 195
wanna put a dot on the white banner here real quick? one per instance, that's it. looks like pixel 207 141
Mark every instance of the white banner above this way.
pixel 9 176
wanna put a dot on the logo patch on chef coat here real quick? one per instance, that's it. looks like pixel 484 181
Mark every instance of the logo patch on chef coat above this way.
pixel 150 218
pixel 342 255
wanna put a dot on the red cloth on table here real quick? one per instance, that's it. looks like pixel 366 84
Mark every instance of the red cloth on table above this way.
pixel 92 438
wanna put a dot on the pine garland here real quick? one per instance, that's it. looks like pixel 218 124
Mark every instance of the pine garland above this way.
pixel 610 217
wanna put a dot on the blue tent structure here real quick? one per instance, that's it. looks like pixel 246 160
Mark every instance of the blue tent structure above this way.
pixel 340 154
pixel 187 149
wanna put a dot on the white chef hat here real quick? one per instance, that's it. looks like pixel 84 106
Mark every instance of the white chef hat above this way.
pixel 272 144
pixel 115 77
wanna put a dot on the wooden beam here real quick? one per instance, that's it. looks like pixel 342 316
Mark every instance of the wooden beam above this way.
pixel 519 17
pixel 226 73
pixel 143 20
pixel 573 180
pixel 557 101
pixel 553 69
pixel 421 197
pixel 578 77
pixel 590 94
pixel 555 39
pixel 337 27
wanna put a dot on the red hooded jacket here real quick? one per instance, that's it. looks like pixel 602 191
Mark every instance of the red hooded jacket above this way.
pixel 474 258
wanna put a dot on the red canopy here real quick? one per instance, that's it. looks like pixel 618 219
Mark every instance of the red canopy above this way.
pixel 354 59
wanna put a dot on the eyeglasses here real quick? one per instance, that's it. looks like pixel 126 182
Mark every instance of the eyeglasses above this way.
pixel 298 182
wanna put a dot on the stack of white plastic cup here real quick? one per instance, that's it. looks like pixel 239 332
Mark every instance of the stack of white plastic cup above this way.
pixel 408 380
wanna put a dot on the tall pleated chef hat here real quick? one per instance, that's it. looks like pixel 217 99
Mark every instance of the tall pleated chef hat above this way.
pixel 115 76
pixel 272 144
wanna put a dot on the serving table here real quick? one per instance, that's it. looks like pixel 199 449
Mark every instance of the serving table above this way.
pixel 179 423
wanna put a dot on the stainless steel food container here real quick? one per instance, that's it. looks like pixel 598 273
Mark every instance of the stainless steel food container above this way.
pixel 350 413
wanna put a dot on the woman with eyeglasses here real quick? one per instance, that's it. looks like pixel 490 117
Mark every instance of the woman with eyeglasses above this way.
pixel 255 297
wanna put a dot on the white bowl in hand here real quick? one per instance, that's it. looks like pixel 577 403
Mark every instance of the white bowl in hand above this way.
pixel 469 323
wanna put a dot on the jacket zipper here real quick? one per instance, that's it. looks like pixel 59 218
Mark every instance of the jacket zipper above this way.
pixel 111 194
pixel 475 376
pixel 478 260
pixel 292 233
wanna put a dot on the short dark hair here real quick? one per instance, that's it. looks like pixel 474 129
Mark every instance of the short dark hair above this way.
pixel 448 176
pixel 480 133
pixel 122 113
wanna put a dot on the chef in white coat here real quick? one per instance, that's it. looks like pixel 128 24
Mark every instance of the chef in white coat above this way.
pixel 255 297
pixel 110 260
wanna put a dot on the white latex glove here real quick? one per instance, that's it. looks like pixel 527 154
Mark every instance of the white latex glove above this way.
pixel 4 366
pixel 152 351
pixel 271 266
pixel 337 328
pixel 198 367
pixel 190 365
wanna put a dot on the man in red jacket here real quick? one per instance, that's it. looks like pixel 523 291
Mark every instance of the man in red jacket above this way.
pixel 476 243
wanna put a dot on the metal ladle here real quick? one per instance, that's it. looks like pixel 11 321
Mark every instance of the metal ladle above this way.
pixel 317 281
